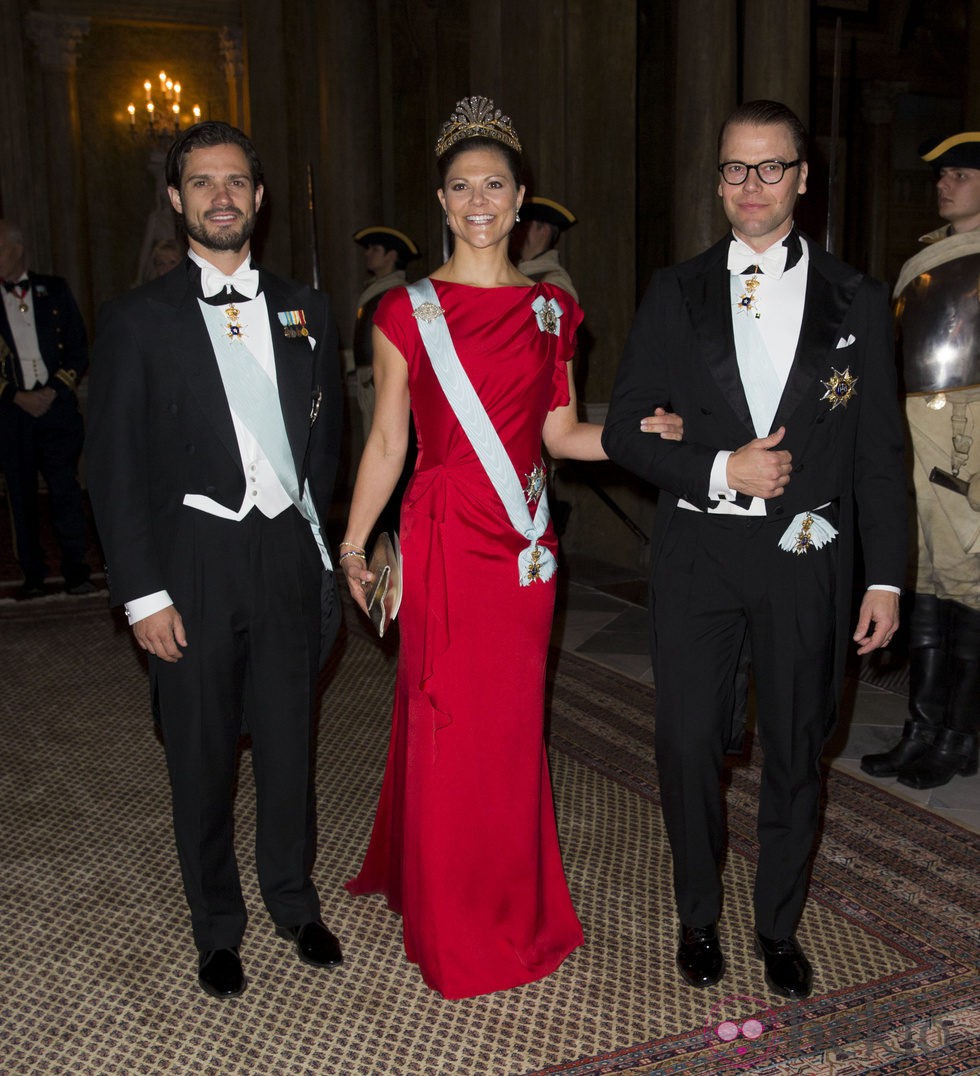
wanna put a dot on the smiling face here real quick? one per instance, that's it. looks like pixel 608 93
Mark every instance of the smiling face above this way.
pixel 760 213
pixel 481 197
pixel 958 197
pixel 217 199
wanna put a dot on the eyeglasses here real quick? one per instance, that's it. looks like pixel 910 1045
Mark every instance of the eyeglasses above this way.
pixel 737 172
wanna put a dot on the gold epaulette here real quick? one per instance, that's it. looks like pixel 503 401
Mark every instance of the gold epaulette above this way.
pixel 68 378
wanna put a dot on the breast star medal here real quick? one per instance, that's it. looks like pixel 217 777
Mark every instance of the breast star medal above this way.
pixel 840 388
pixel 535 484
pixel 748 303
pixel 234 326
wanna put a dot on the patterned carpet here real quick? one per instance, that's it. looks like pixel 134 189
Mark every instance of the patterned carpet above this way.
pixel 97 974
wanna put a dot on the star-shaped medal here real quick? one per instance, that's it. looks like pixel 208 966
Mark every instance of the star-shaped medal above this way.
pixel 840 388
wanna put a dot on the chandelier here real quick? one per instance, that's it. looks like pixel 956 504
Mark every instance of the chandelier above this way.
pixel 163 114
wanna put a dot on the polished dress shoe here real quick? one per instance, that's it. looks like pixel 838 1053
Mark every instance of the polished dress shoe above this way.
pixel 699 955
pixel 219 971
pixel 788 971
pixel 314 943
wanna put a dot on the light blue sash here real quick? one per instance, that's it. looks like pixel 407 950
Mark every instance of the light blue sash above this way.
pixel 535 562
pixel 253 397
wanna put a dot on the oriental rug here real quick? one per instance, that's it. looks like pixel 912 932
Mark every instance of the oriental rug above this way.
pixel 98 976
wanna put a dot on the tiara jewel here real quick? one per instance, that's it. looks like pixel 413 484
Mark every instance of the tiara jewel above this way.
pixel 476 117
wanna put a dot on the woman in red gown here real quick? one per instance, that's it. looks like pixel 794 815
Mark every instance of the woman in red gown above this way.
pixel 464 844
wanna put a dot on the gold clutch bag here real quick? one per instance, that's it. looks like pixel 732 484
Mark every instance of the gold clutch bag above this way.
pixel 384 595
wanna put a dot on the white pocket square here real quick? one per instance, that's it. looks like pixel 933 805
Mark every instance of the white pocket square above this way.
pixel 845 343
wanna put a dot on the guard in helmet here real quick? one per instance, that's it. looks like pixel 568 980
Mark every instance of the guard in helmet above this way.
pixel 937 309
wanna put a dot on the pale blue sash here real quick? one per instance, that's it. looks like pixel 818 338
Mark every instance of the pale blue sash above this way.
pixel 534 562
pixel 253 397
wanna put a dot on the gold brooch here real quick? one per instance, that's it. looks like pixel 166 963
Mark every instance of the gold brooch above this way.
pixel 428 312
pixel 840 388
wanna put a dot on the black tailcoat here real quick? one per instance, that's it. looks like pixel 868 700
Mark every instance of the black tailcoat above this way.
pixel 160 428
pixel 681 355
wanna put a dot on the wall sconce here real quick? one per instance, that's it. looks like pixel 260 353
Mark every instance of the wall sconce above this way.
pixel 162 123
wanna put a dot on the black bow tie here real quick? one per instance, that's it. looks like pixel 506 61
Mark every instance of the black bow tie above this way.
pixel 223 298
pixel 14 285
pixel 794 249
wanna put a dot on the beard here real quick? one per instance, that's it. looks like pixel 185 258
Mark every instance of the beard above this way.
pixel 222 238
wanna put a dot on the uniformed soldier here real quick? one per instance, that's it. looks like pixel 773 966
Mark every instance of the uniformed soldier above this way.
pixel 938 315
pixel 544 221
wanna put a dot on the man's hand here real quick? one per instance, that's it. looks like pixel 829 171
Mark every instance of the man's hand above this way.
pixel 668 425
pixel 162 634
pixel 756 470
pixel 878 607
pixel 37 402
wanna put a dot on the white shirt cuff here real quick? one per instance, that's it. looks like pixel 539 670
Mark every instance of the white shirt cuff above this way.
pixel 718 488
pixel 141 608
pixel 884 586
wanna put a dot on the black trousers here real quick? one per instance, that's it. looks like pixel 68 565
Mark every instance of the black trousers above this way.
pixel 715 578
pixel 249 596
pixel 51 444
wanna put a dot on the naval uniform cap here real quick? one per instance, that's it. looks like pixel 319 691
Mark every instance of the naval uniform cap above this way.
pixel 549 211
pixel 389 238
pixel 956 151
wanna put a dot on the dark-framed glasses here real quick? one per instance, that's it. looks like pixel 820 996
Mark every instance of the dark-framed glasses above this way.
pixel 737 172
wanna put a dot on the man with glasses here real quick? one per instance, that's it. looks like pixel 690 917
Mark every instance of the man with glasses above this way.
pixel 779 357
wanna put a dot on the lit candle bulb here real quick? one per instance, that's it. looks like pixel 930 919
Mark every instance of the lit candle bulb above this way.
pixel 149 109
pixel 131 109
pixel 163 76
pixel 148 88
pixel 177 90
pixel 197 112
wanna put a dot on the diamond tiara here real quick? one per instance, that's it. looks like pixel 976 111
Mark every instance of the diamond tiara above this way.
pixel 476 117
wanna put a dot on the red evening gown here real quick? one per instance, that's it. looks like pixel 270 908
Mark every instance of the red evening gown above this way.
pixel 464 844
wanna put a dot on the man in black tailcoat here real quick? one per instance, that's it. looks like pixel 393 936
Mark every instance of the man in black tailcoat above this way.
pixel 779 357
pixel 214 434
pixel 43 355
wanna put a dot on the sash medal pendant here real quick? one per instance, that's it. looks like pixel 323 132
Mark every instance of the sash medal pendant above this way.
pixel 293 323
pixel 747 301
pixel 234 326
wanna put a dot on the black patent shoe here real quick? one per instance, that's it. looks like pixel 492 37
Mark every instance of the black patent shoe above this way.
pixel 219 971
pixel 917 738
pixel 314 943
pixel 788 971
pixel 699 956
pixel 953 754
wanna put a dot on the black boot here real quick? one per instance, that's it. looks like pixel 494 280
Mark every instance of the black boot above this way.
pixel 955 749
pixel 928 687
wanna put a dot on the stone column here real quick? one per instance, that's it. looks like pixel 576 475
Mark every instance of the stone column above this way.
pixel 230 44
pixel 776 53
pixel 57 39
pixel 877 112
pixel 704 95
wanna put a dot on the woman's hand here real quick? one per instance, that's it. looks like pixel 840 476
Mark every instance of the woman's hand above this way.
pixel 668 425
pixel 357 575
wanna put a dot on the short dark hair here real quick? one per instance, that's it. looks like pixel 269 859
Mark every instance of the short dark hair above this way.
pixel 515 163
pixel 765 114
pixel 209 133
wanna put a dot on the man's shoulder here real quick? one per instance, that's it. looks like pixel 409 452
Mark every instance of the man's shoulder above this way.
pixel 47 283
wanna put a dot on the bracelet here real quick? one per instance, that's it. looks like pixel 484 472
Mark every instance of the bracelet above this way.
pixel 359 548
pixel 352 553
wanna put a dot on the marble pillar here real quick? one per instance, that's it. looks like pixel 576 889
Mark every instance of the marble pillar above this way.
pixel 57 39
